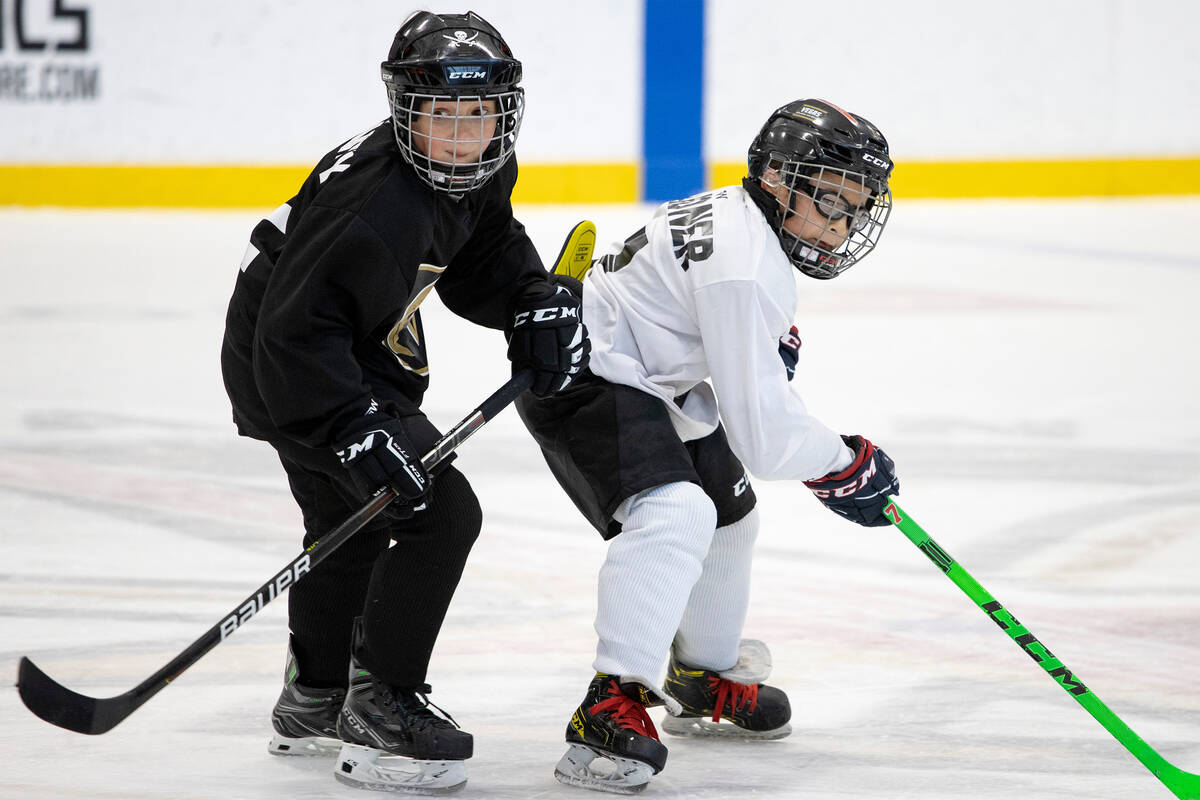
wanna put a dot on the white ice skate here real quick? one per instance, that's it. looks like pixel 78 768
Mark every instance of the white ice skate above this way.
pixel 369 768
pixel 591 769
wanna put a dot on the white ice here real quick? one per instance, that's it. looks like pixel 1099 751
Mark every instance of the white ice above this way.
pixel 1031 366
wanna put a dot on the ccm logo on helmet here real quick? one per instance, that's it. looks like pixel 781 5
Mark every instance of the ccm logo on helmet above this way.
pixel 466 72
pixel 849 488
pixel 879 162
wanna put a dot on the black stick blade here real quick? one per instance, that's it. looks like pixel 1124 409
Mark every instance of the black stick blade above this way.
pixel 60 706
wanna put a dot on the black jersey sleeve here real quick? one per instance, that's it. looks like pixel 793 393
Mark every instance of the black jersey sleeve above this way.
pixel 497 263
pixel 334 282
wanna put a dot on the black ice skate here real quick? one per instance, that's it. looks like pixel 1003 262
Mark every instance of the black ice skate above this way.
pixel 749 710
pixel 394 742
pixel 611 727
pixel 304 718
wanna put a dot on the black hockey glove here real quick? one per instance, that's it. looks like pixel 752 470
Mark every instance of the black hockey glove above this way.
pixel 789 351
pixel 860 491
pixel 547 335
pixel 376 452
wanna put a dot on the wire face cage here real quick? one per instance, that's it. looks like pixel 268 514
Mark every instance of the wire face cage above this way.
pixel 456 143
pixel 830 217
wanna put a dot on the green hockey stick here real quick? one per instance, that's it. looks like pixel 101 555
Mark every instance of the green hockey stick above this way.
pixel 1184 785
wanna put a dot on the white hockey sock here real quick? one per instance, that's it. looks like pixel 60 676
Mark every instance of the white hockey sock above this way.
pixel 647 578
pixel 711 627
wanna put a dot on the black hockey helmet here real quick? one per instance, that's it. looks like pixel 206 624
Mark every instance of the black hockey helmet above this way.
pixel 453 64
pixel 814 148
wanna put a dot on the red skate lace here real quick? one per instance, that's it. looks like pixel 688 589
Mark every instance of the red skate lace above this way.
pixel 626 712
pixel 736 694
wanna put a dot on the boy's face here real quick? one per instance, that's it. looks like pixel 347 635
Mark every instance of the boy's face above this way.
pixel 824 207
pixel 455 131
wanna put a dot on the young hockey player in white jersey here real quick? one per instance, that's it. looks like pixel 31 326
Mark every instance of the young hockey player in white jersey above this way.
pixel 697 307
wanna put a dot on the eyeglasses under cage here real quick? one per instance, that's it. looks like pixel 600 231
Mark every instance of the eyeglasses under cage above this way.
pixel 833 206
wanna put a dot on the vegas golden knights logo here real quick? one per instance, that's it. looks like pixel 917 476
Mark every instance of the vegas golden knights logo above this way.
pixel 404 340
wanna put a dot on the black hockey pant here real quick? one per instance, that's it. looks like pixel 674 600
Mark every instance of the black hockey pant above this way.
pixel 402 592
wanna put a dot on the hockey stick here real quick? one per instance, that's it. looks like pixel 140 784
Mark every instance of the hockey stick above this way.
pixel 65 708
pixel 1184 785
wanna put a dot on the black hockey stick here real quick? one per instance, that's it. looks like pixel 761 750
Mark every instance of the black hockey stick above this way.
pixel 1184 785
pixel 60 706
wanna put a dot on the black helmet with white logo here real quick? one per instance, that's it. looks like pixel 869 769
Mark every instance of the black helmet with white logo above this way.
pixel 814 148
pixel 452 82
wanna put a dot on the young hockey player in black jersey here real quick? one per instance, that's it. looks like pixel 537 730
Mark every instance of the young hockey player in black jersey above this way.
pixel 324 358
pixel 697 307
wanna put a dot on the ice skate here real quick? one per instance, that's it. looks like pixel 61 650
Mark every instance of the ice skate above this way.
pixel 392 741
pixel 613 744
pixel 730 704
pixel 304 718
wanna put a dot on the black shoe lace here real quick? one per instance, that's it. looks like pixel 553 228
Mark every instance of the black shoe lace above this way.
pixel 415 703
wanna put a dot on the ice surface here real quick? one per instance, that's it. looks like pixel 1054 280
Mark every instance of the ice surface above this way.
pixel 1031 366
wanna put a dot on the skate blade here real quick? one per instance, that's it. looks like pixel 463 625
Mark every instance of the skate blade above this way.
pixel 305 746
pixel 697 727
pixel 368 768
pixel 615 775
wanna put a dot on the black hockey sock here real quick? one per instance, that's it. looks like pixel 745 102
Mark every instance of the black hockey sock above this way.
pixel 413 582
pixel 322 608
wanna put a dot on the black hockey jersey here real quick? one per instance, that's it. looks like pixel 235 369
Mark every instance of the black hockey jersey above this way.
pixel 324 317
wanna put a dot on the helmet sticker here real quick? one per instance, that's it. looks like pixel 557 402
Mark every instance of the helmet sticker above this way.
pixel 460 37
pixel 841 111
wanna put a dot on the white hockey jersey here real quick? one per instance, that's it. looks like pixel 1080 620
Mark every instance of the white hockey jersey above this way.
pixel 702 294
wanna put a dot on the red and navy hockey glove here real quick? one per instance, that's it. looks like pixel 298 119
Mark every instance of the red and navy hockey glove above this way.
pixel 547 335
pixel 860 491
pixel 376 452
pixel 789 351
